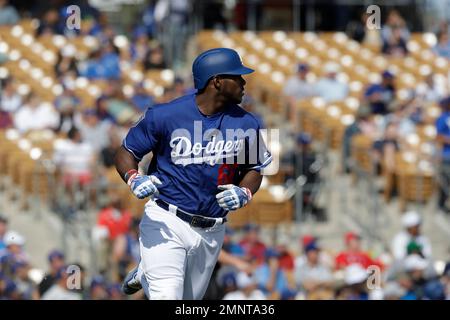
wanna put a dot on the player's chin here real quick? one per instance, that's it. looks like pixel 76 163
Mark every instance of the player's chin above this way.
pixel 238 98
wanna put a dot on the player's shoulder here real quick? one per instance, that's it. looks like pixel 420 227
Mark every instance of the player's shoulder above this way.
pixel 173 104
pixel 247 117
pixel 169 109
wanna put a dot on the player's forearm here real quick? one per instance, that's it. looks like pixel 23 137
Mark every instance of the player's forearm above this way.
pixel 124 162
pixel 252 180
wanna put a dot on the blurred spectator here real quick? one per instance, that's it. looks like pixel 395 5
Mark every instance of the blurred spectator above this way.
pixel 430 90
pixel 355 288
pixel 108 153
pixel 59 290
pixel 446 280
pixel 411 222
pixel 14 248
pixel 180 87
pixel 66 61
pixel 230 246
pixel 271 279
pixel 26 288
pixel 75 158
pixel 395 45
pixel 393 291
pixel 140 46
pixel 354 253
pixel 114 218
pixel 95 132
pixel 111 102
pixel 396 126
pixel 102 63
pixel 442 47
pixel 91 67
pixel 155 59
pixel 363 124
pixel 50 24
pixel 289 294
pixel 8 289
pixel 297 86
pixel 101 28
pixel 172 16
pixel 380 96
pixel 423 287
pixel 98 289
pixel 358 31
pixel 325 258
pixel 443 140
pixel 304 161
pixel 141 99
pixel 110 60
pixel 8 14
pixel 125 251
pixel 67 104
pixel 148 20
pixel 312 275
pixel 115 292
pixel 10 99
pixel 253 247
pixel 56 261
pixel 35 115
pixel 247 289
pixel 328 87
pixel 226 283
pixel 395 23
pixel 3 229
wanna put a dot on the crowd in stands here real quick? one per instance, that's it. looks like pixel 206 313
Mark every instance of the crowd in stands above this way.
pixel 406 271
pixel 248 268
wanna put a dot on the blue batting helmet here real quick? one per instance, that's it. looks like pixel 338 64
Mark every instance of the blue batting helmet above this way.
pixel 215 62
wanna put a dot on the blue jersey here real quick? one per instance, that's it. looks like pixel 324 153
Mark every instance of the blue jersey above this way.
pixel 194 153
pixel 443 129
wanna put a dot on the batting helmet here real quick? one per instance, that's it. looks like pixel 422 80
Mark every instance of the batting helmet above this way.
pixel 215 62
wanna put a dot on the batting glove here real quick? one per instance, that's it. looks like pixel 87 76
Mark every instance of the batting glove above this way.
pixel 143 186
pixel 233 197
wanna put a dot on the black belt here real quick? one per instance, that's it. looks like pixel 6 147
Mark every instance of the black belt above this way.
pixel 193 220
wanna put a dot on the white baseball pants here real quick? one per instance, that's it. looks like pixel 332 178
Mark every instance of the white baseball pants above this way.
pixel 177 260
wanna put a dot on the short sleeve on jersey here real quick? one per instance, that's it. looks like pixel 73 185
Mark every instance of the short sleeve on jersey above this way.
pixel 143 137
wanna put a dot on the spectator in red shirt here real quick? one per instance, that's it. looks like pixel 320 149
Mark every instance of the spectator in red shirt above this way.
pixel 354 254
pixel 114 218
pixel 254 248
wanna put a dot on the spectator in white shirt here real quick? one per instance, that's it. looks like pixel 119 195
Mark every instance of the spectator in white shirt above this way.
pixel 75 159
pixel 297 86
pixel 60 291
pixel 35 115
pixel 430 90
pixel 411 222
pixel 312 275
pixel 95 131
pixel 329 87
pixel 11 100
pixel 246 289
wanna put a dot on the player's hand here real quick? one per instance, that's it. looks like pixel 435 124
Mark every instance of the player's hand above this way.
pixel 143 186
pixel 233 197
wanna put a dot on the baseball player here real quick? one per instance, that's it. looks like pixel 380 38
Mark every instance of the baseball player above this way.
pixel 207 159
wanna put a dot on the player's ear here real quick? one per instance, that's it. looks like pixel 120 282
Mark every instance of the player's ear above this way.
pixel 216 82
